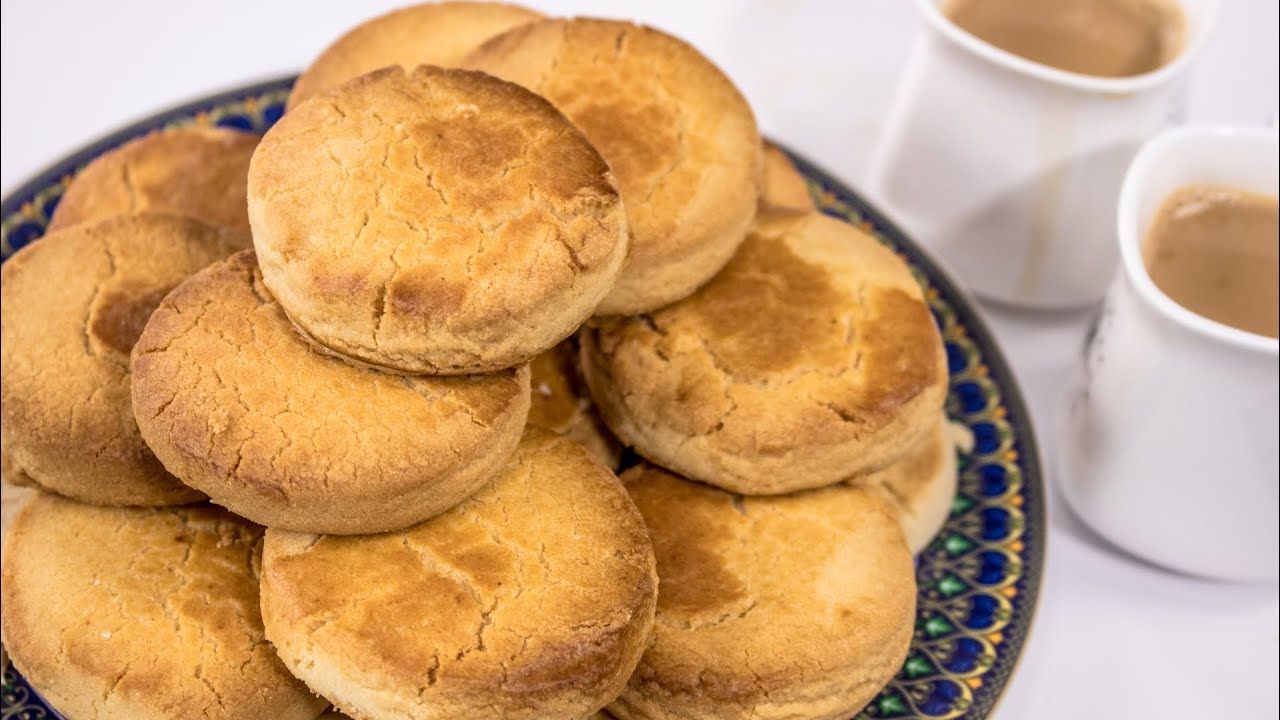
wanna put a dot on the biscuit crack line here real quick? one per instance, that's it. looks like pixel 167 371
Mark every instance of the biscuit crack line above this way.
pixel 97 294
pixel 217 696
pixel 439 565
pixel 115 682
pixel 126 179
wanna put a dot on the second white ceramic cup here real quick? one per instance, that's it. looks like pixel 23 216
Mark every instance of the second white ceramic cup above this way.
pixel 1009 169
pixel 1169 444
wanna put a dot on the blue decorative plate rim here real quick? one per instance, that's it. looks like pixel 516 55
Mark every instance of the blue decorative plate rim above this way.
pixel 959 664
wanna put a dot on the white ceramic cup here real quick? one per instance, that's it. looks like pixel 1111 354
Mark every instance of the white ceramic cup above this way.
pixel 1009 169
pixel 1169 442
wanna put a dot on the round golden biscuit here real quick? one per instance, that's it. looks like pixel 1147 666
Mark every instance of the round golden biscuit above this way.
pixel 143 614
pixel 74 303
pixel 532 599
pixel 560 403
pixel 441 222
pixel 197 172
pixel 810 359
pixel 678 134
pixel 235 403
pixel 922 485
pixel 433 33
pixel 798 606
pixel 784 187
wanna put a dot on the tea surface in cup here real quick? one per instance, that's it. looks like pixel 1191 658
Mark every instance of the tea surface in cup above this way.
pixel 1106 38
pixel 1215 251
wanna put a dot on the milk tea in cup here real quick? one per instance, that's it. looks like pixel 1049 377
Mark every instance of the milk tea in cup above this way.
pixel 1214 251
pixel 1105 38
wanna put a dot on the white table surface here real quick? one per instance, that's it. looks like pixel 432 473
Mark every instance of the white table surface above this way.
pixel 1113 637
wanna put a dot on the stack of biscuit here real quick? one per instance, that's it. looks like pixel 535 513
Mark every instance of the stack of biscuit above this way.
pixel 329 421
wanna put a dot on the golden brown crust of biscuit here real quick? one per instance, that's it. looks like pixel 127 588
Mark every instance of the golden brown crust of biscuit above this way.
pixel 433 33
pixel 779 607
pixel 532 599
pixel 810 359
pixel 560 403
pixel 74 303
pixel 197 172
pixel 922 485
pixel 678 134
pixel 438 222
pixel 784 187
pixel 235 403
pixel 146 614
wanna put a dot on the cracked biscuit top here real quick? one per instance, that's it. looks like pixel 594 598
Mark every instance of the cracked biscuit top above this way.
pixel 440 222
pixel 197 172
pixel 236 403
pixel 432 33
pixel 810 359
pixel 147 614
pixel 770 607
pixel 74 303
pixel 679 136
pixel 532 599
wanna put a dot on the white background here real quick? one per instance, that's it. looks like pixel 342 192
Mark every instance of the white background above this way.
pixel 1114 637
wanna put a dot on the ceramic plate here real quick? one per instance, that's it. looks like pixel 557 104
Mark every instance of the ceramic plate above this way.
pixel 978 579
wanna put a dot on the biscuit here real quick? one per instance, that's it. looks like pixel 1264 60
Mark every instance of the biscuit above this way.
pixel 441 222
pixel 434 33
pixel 678 134
pixel 922 485
pixel 197 172
pixel 532 599
pixel 797 606
pixel 560 403
pixel 235 403
pixel 810 359
pixel 74 303
pixel 784 187
pixel 143 614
